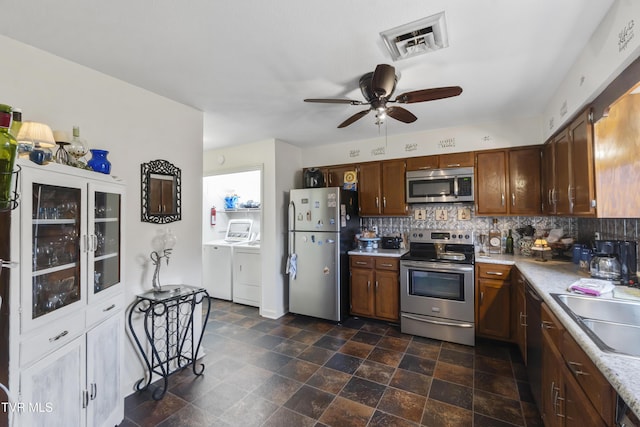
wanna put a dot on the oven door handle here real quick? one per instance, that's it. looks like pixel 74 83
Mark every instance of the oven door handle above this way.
pixel 437 322
pixel 436 266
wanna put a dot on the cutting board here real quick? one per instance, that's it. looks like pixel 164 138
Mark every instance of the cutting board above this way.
pixel 626 292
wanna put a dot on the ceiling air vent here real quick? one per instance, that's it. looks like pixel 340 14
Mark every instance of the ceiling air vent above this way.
pixel 417 37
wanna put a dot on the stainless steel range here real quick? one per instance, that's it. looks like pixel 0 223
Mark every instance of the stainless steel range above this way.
pixel 437 286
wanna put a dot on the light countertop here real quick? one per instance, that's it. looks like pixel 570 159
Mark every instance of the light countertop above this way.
pixel 391 253
pixel 623 372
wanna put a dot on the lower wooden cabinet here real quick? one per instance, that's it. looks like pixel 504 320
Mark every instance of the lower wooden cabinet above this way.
pixel 574 391
pixel 374 287
pixel 493 301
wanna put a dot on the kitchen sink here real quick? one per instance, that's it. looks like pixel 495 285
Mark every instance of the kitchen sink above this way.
pixel 609 310
pixel 613 325
pixel 619 337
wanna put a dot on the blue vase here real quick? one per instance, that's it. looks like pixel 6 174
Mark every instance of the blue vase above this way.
pixel 230 202
pixel 99 162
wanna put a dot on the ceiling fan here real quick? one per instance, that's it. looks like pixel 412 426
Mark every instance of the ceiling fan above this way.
pixel 377 88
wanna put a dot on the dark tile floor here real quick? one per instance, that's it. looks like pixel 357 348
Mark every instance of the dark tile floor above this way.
pixel 299 371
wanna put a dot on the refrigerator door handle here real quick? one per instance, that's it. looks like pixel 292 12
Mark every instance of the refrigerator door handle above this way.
pixel 292 219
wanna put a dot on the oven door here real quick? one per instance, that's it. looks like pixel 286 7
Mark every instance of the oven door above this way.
pixel 436 289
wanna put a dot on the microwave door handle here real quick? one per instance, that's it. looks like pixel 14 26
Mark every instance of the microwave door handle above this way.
pixel 455 186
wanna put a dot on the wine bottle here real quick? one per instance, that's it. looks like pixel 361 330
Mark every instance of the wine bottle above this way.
pixel 509 245
pixel 8 149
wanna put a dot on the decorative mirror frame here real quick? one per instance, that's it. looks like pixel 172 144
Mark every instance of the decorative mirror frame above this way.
pixel 161 167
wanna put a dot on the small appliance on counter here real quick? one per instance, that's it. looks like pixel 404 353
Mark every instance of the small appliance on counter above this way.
pixel 626 254
pixel 391 242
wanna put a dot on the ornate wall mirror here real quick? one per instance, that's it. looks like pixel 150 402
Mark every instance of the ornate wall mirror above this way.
pixel 161 202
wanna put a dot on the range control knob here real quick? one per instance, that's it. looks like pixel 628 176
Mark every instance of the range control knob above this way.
pixel 420 235
pixel 466 236
pixel 459 236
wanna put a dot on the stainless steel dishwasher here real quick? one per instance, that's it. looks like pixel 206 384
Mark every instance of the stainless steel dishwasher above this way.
pixel 534 343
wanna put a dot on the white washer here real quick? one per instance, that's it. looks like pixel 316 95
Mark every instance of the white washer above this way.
pixel 217 259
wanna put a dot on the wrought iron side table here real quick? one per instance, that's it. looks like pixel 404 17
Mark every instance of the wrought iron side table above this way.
pixel 168 328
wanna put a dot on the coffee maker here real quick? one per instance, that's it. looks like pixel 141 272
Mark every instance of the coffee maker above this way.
pixel 627 253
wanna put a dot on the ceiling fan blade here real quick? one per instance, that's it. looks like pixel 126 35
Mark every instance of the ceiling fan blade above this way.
pixel 334 101
pixel 384 80
pixel 401 114
pixel 353 118
pixel 428 94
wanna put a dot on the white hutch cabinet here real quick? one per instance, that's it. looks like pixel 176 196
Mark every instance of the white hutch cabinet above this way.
pixel 67 298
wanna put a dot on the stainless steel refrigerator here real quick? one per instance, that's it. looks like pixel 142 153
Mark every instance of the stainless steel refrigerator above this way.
pixel 322 227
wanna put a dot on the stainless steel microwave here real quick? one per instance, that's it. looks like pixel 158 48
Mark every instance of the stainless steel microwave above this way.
pixel 453 185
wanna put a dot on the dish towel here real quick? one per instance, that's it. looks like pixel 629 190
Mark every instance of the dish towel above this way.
pixel 292 262
pixel 594 287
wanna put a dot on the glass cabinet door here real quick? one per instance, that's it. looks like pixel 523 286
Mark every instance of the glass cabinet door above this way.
pixel 55 217
pixel 105 227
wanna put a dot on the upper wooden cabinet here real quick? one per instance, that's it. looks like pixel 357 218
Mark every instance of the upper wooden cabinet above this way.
pixel 617 157
pixel 451 160
pixel 334 175
pixel 381 188
pixel 508 181
pixel 568 170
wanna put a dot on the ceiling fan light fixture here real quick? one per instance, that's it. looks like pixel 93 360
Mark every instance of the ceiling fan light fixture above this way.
pixel 416 38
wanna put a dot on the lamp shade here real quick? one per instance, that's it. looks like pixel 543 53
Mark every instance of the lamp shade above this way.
pixel 37 134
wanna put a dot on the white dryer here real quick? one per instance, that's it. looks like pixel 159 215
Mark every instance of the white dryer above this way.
pixel 217 259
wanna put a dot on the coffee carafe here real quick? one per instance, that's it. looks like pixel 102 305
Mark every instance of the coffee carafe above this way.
pixel 626 252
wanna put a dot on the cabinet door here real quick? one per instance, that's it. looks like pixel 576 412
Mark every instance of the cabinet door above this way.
pixel 247 277
pixel 370 188
pixel 105 225
pixel 562 173
pixel 553 407
pixel 393 188
pixel 53 388
pixel 457 160
pixel 361 292
pixel 491 183
pixel 493 308
pixel 581 152
pixel 548 177
pixel 578 410
pixel 387 299
pixel 104 349
pixel 521 317
pixel 423 163
pixel 335 175
pixel 524 181
pixel 53 258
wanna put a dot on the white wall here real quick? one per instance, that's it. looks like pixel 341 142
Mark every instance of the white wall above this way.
pixel 280 162
pixel 614 45
pixel 135 126
pixel 480 136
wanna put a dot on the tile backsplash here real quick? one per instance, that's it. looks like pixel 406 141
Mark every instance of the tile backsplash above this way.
pixel 446 216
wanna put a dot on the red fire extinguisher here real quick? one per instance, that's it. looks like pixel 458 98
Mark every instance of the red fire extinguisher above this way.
pixel 213 215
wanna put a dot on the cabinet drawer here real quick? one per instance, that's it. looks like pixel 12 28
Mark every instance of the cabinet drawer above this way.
pixel 494 271
pixel 551 326
pixel 101 310
pixel 591 380
pixel 362 262
pixel 387 264
pixel 51 337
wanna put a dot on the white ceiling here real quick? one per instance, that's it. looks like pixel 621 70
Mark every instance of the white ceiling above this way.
pixel 249 64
